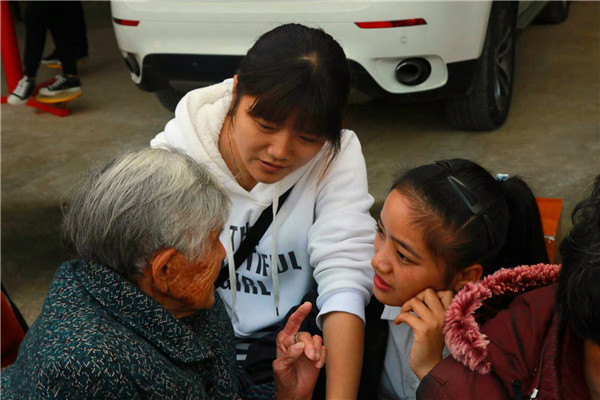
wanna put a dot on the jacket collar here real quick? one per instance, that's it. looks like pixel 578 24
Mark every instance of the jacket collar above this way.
pixel 142 314
pixel 463 336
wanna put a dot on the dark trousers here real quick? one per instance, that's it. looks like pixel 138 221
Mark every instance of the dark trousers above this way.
pixel 66 22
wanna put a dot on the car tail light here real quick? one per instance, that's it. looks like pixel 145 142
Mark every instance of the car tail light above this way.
pixel 126 22
pixel 391 24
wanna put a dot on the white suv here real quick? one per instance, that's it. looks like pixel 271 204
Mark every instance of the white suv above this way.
pixel 461 52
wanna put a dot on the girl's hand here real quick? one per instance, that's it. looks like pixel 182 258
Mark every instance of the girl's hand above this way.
pixel 426 322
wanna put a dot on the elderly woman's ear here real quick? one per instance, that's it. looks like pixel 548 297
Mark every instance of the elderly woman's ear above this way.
pixel 180 285
pixel 161 267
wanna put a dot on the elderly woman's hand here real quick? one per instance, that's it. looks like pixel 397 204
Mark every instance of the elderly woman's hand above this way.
pixel 300 357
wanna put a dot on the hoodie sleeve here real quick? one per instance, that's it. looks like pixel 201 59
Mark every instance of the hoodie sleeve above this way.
pixel 340 242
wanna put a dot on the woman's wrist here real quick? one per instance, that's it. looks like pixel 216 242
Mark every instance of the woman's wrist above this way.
pixel 423 370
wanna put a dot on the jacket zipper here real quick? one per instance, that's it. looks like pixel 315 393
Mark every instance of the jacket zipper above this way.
pixel 534 393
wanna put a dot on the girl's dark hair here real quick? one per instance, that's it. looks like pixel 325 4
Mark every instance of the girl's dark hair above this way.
pixel 469 217
pixel 577 296
pixel 294 70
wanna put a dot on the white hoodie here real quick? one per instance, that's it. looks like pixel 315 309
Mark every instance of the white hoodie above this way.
pixel 323 229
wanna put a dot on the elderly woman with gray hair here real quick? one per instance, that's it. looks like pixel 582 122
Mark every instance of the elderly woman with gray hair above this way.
pixel 136 316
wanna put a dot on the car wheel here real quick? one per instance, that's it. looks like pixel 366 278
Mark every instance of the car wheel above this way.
pixel 554 13
pixel 485 107
pixel 169 98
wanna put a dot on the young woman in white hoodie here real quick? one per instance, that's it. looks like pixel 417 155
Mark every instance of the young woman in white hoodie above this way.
pixel 278 125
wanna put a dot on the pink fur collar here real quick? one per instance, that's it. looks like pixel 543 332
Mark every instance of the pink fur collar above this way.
pixel 466 342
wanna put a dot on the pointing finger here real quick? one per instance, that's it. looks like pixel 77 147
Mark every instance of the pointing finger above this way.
pixel 295 320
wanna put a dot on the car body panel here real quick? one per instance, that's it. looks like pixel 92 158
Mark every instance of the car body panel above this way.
pixel 231 27
pixel 454 32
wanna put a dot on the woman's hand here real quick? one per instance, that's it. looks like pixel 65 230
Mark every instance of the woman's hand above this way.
pixel 426 322
pixel 299 358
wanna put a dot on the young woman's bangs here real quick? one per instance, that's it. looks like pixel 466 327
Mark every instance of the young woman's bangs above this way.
pixel 310 112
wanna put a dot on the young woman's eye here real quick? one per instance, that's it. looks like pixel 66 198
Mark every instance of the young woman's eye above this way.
pixel 402 257
pixel 308 139
pixel 265 127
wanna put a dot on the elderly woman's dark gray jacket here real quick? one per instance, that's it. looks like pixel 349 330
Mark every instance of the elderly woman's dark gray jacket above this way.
pixel 99 336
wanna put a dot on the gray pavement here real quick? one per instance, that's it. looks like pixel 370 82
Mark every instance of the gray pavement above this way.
pixel 552 137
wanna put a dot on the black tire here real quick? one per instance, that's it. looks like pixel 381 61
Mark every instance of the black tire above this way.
pixel 169 98
pixel 486 105
pixel 555 12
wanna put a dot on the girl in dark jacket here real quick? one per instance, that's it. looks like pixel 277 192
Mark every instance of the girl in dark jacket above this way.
pixel 442 226
pixel 545 344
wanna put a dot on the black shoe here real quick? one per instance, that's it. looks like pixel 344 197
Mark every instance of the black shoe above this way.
pixel 22 92
pixel 62 85
pixel 51 58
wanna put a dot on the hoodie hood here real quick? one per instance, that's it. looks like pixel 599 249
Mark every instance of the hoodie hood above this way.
pixel 465 321
pixel 196 127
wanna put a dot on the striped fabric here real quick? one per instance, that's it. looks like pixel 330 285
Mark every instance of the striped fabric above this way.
pixel 243 344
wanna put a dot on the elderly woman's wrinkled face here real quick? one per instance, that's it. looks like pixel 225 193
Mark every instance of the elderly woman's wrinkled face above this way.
pixel 193 285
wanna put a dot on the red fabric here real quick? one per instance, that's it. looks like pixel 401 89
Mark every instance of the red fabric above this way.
pixel 12 334
pixel 523 346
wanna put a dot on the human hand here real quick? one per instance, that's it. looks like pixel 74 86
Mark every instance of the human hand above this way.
pixel 300 357
pixel 427 323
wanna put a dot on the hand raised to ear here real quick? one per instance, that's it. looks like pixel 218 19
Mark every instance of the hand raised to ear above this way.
pixel 424 313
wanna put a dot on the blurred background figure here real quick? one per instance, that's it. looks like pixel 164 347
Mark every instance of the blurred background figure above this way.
pixel 66 22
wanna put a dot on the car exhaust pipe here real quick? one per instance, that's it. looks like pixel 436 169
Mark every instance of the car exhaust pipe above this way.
pixel 413 71
pixel 132 64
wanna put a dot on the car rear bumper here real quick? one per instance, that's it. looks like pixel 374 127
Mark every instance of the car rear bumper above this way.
pixel 184 72
pixel 458 82
pixel 454 32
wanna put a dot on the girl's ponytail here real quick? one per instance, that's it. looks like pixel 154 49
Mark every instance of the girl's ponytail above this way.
pixel 524 242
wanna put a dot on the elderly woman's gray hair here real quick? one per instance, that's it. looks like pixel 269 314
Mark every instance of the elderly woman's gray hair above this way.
pixel 141 202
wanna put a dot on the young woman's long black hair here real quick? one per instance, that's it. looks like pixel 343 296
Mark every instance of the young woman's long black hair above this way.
pixel 578 293
pixel 468 217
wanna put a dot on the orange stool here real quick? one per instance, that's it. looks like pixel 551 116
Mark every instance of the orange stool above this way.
pixel 550 210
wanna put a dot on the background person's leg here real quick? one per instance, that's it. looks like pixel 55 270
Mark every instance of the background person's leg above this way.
pixel 73 15
pixel 36 24
pixel 79 30
pixel 65 30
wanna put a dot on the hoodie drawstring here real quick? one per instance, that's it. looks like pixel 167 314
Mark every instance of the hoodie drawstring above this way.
pixel 274 258
pixel 232 280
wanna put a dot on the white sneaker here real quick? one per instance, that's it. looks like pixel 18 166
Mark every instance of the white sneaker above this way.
pixel 22 92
